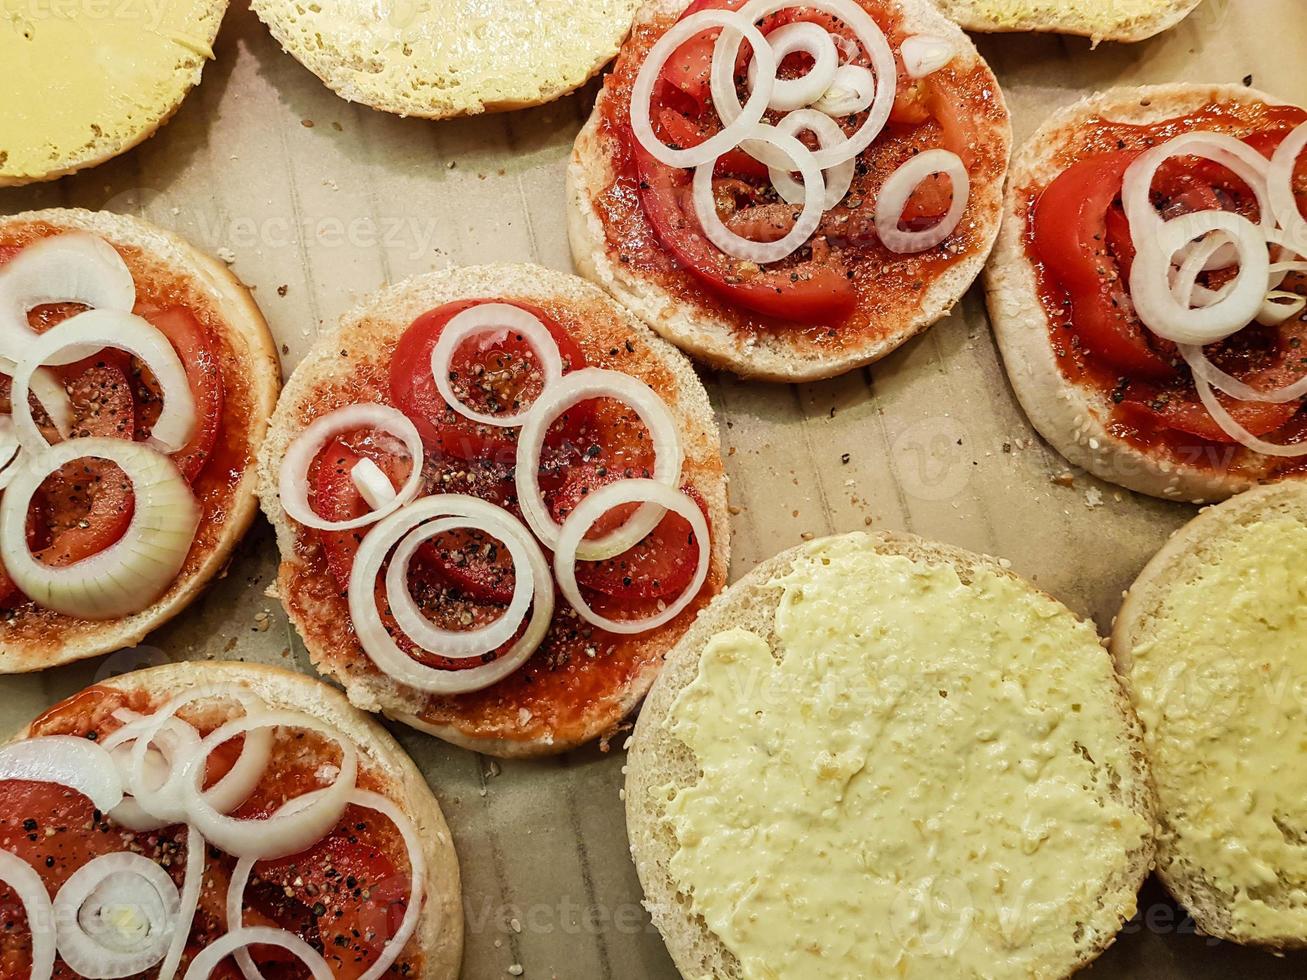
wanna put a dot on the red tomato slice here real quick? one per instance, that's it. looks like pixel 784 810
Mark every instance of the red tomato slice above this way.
pixel 680 130
pixel 413 388
pixel 1070 223
pixel 198 350
pixel 812 292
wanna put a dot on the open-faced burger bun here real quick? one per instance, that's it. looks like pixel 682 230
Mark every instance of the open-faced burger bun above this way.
pixel 1210 641
pixel 173 273
pixel 710 328
pixel 452 57
pixel 909 776
pixel 350 364
pixel 1070 416
pixel 1124 20
pixel 439 935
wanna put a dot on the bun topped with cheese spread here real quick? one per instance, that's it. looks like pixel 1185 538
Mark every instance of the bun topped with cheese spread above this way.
pixel 878 756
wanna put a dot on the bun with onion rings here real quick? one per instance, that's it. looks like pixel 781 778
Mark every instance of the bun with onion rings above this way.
pixel 137 833
pixel 515 591
pixel 138 378
pixel 683 200
pixel 1170 368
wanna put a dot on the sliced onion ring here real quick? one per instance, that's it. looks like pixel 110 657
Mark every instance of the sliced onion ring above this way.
pixel 174 739
pixel 372 483
pixel 925 54
pixel 898 188
pixel 166 802
pixel 50 393
pixel 131 573
pixel 727 103
pixel 492 318
pixel 850 91
pixel 99 899
pixel 800 37
pixel 1279 188
pixel 745 117
pixel 293 476
pixel 463 644
pixel 37 907
pixel 74 267
pixel 814 197
pixel 1203 368
pixel 190 901
pixel 1236 431
pixel 572 389
pixel 97 329
pixel 593 507
pixel 203 965
pixel 382 649
pixel 1169 315
pixel 274 837
pixel 394 946
pixel 838 178
pixel 65 760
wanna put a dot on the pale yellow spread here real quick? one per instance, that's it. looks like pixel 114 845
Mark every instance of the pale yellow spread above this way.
pixel 86 76
pixel 906 789
pixel 1221 687
pixel 1103 14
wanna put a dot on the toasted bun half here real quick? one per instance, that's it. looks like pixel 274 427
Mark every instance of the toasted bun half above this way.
pixel 532 712
pixel 450 57
pixel 146 57
pixel 1210 640
pixel 175 273
pixel 1073 418
pixel 1124 20
pixel 439 934
pixel 932 718
pixel 710 329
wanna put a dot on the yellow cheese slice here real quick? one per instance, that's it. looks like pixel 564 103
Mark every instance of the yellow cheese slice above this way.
pixel 87 79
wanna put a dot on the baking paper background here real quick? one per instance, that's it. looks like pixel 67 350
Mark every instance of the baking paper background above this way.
pixel 325 202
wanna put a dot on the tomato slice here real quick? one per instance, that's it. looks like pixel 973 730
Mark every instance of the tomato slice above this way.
pixel 812 292
pixel 413 387
pixel 198 350
pixel 1070 224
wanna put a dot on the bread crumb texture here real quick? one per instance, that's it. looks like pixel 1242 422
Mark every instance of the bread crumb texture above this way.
pixel 85 80
pixel 440 58
pixel 1219 678
pixel 926 777
pixel 1120 19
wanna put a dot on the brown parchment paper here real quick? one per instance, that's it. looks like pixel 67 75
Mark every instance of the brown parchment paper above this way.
pixel 318 202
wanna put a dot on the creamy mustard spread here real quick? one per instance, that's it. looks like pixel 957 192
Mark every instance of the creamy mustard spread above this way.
pixel 1020 13
pixel 1221 687
pixel 913 784
pixel 83 76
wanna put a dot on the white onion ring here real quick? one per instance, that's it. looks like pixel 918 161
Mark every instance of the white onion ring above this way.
pixel 1279 188
pixel 745 117
pixel 463 644
pixel 814 196
pixel 203 965
pixel 382 649
pixel 838 178
pixel 174 739
pixel 96 330
pixel 898 188
pixel 807 38
pixel 1203 368
pixel 166 802
pixel 727 103
pixel 240 878
pixel 1280 306
pixel 851 91
pixel 65 760
pixel 274 837
pixel 73 267
pixel 574 388
pixel 1236 431
pixel 190 901
pixel 1167 314
pixel 593 507
pixel 32 895
pixel 293 476
pixel 925 54
pixel 88 941
pixel 131 573
pixel 493 318
pixel 50 393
